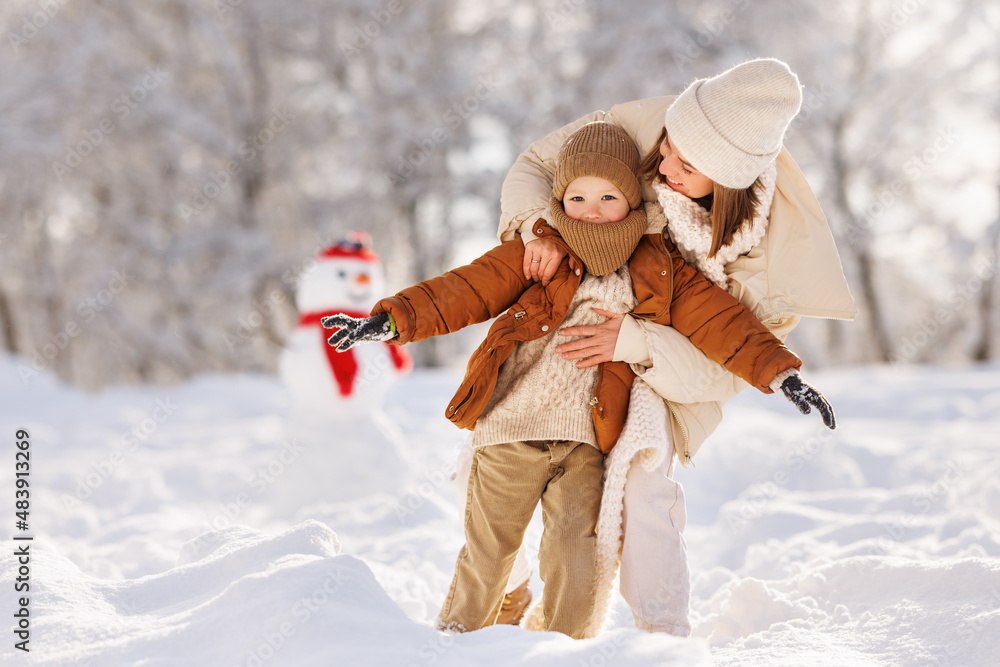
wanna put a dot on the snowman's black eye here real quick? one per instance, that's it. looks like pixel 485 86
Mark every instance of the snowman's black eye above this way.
pixel 342 274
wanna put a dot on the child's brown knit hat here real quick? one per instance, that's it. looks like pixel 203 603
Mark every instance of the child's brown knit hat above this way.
pixel 603 150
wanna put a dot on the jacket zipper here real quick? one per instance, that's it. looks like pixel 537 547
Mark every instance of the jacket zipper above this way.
pixel 684 433
pixel 594 401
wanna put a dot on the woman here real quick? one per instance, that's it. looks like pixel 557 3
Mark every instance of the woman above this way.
pixel 721 134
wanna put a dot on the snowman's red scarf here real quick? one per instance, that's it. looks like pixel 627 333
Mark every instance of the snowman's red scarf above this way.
pixel 344 365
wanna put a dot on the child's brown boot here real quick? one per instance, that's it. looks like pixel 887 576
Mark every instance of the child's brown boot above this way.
pixel 514 605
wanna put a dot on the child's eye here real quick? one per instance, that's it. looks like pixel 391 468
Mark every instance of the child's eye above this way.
pixel 609 198
pixel 576 198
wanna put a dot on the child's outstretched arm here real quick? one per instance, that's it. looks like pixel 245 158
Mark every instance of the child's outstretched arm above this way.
pixel 732 336
pixel 466 295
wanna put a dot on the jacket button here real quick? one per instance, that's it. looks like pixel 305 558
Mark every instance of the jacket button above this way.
pixel 663 273
pixel 545 327
pixel 539 231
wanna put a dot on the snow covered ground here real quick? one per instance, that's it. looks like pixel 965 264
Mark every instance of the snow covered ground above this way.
pixel 207 524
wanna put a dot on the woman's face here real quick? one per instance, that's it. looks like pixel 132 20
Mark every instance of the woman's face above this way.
pixel 680 175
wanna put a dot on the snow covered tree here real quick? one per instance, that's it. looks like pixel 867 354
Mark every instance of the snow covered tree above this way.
pixel 168 168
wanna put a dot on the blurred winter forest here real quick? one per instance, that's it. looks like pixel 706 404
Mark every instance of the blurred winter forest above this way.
pixel 168 167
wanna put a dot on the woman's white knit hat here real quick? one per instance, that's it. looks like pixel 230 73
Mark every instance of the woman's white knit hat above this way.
pixel 730 127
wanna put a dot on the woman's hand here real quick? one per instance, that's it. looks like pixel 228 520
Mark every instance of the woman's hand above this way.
pixel 598 341
pixel 542 258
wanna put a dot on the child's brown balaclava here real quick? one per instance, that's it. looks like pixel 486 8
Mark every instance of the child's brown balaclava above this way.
pixel 606 151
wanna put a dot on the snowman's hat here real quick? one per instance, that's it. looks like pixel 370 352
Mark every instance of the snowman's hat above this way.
pixel 357 245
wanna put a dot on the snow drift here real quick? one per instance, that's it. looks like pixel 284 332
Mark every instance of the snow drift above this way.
pixel 165 534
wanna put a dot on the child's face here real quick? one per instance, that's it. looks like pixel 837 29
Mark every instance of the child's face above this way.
pixel 680 175
pixel 593 199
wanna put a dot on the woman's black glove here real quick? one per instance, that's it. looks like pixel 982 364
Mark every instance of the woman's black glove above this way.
pixel 805 397
pixel 354 330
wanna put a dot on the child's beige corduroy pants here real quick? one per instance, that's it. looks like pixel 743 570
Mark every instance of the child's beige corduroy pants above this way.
pixel 505 485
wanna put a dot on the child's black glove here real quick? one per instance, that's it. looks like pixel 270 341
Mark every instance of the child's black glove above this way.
pixel 803 396
pixel 354 330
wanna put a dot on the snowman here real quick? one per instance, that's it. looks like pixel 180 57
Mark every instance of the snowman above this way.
pixel 347 278
pixel 349 445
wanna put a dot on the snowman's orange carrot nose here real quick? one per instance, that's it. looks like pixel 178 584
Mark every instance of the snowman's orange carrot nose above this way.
pixel 363 279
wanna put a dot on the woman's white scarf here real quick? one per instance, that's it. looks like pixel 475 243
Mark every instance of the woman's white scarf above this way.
pixel 647 427
pixel 691 228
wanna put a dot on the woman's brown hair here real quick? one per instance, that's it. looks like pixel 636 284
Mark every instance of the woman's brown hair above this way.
pixel 731 207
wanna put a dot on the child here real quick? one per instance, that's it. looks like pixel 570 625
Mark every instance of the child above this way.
pixel 541 424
